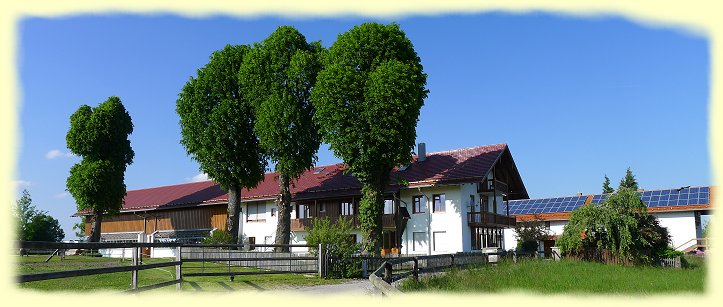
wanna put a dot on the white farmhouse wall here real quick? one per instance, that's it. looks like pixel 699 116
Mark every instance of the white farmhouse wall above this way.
pixel 263 228
pixel 681 227
pixel 428 225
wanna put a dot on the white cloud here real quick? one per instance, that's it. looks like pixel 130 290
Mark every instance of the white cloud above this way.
pixel 198 178
pixel 55 153
pixel 62 195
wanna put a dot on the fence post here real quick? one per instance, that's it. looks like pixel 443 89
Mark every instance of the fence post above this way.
pixel 415 269
pixel 451 262
pixel 179 277
pixel 320 263
pixel 387 272
pixel 365 274
pixel 134 273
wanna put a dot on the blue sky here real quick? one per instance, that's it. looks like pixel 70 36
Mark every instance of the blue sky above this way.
pixel 574 98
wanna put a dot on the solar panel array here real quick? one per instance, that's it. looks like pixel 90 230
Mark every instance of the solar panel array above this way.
pixel 657 198
pixel 546 205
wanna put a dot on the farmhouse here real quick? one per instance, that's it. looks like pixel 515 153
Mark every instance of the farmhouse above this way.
pixel 677 209
pixel 441 202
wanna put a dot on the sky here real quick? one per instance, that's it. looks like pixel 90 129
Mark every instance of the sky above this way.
pixel 574 98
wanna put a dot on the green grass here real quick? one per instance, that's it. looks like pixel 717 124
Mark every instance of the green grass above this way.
pixel 121 281
pixel 565 277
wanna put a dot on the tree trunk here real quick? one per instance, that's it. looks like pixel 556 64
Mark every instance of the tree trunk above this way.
pixel 95 228
pixel 283 203
pixel 233 212
pixel 371 209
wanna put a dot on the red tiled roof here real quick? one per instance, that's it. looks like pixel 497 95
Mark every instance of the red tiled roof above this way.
pixel 453 166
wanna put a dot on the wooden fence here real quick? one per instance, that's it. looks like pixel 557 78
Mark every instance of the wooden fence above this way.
pixel 134 268
pixel 403 267
pixel 268 262
pixel 230 254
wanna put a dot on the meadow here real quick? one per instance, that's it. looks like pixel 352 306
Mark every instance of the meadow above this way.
pixel 565 277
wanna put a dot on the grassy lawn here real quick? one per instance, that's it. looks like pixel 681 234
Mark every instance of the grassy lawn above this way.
pixel 565 277
pixel 121 281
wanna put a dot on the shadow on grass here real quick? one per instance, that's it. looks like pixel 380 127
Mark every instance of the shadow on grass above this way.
pixel 195 286
pixel 255 286
pixel 225 286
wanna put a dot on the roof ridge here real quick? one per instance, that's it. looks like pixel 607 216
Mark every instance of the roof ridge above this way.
pixel 466 148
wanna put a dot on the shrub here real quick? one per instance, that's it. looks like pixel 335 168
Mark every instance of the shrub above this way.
pixel 528 233
pixel 218 237
pixel 339 248
pixel 619 227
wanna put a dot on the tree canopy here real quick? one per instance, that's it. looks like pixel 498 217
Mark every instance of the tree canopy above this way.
pixel 629 181
pixel 34 225
pixel 367 99
pixel 620 226
pixel 217 128
pixel 277 76
pixel 100 136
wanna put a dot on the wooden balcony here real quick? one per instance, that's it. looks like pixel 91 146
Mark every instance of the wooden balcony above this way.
pixel 305 224
pixel 488 219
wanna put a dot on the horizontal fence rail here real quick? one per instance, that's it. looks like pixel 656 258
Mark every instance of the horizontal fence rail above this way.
pixel 399 268
pixel 134 268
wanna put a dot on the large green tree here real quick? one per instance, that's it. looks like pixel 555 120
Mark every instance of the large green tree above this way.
pixel 277 76
pixel 100 136
pixel 367 99
pixel 217 128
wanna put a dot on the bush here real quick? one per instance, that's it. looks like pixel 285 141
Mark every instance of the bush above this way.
pixel 669 253
pixel 339 248
pixel 620 227
pixel 218 237
pixel 528 233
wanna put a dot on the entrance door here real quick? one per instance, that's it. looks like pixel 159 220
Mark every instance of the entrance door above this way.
pixel 548 244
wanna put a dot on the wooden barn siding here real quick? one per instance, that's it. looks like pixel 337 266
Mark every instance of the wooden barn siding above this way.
pixel 213 216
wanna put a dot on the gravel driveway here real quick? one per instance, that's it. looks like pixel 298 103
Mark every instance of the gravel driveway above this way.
pixel 355 287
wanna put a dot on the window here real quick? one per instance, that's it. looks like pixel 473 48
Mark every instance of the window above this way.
pixel 471 203
pixel 256 212
pixel 322 208
pixel 302 211
pixel 388 206
pixel 547 224
pixel 252 241
pixel 273 211
pixel 417 204
pixel 438 200
pixel 439 241
pixel 420 241
pixel 347 208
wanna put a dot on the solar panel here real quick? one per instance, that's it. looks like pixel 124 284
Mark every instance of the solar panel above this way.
pixel 546 205
pixel 653 199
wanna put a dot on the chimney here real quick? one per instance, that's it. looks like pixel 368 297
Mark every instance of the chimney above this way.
pixel 421 152
pixel 579 194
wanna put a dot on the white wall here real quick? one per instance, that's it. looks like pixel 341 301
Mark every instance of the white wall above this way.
pixel 259 229
pixel 681 227
pixel 449 224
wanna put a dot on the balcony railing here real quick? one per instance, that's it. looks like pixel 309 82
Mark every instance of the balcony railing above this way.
pixel 490 219
pixel 306 223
